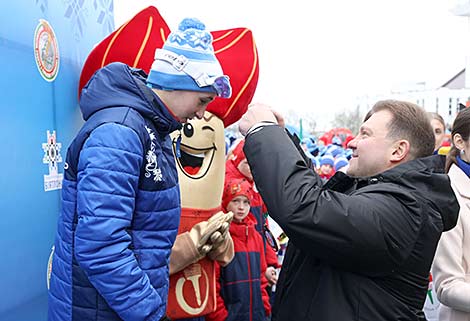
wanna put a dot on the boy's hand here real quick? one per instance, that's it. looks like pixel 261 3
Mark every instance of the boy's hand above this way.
pixel 271 275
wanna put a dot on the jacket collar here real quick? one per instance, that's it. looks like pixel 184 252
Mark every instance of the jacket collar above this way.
pixel 460 181
pixel 159 113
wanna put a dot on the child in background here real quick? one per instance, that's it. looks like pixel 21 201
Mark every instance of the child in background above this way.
pixel 326 169
pixel 243 294
pixel 439 128
pixel 341 164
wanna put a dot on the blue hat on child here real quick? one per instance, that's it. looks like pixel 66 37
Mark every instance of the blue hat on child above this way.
pixel 340 162
pixel 187 62
pixel 336 141
pixel 327 160
pixel 335 151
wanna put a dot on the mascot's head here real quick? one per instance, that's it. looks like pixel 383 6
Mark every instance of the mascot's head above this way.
pixel 202 162
pixel 201 167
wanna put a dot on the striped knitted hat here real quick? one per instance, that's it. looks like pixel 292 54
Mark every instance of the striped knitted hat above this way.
pixel 187 62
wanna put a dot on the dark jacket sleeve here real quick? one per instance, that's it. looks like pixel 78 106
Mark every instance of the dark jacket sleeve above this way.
pixel 371 231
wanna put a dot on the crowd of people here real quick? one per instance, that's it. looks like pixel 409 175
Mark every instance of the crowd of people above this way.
pixel 366 221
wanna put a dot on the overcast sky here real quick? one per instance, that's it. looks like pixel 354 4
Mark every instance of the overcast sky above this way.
pixel 321 55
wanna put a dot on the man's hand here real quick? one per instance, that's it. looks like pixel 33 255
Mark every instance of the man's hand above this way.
pixel 258 113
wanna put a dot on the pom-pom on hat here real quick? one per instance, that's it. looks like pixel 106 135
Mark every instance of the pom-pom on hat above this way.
pixel 187 62
pixel 236 187
pixel 327 160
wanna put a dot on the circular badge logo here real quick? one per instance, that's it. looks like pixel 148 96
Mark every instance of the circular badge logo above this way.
pixel 46 50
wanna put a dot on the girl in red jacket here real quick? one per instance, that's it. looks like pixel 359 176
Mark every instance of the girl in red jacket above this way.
pixel 243 284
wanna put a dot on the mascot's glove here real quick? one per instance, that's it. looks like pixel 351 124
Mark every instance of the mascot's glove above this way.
pixel 205 237
pixel 211 234
pixel 222 244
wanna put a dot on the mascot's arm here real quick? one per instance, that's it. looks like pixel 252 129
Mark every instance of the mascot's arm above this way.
pixel 183 253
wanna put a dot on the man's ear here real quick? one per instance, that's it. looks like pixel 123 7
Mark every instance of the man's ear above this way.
pixel 458 142
pixel 400 151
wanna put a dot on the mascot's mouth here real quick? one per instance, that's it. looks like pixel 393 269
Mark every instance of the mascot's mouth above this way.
pixel 194 162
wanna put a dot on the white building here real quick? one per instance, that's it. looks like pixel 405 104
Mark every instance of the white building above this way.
pixel 444 100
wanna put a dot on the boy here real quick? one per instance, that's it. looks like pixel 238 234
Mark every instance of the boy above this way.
pixel 120 196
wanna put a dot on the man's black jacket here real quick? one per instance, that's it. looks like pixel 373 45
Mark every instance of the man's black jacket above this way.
pixel 358 249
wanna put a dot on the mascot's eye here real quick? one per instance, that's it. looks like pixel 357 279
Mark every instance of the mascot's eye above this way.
pixel 188 130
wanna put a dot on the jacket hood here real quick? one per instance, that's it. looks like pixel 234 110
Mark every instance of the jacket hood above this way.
pixel 427 175
pixel 118 85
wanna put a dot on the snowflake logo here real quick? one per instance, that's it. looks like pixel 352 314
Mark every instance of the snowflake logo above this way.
pixel 52 152
pixel 151 167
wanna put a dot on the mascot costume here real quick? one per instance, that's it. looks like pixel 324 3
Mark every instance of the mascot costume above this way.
pixel 203 237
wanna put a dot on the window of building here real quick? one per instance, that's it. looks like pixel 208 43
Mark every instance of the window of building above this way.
pixel 450 106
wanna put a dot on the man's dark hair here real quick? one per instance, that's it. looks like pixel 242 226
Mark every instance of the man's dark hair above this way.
pixel 409 122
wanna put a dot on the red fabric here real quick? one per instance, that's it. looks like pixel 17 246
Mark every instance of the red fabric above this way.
pixel 445 143
pixel 237 53
pixel 134 43
pixel 231 171
pixel 237 154
pixel 326 176
pixel 347 140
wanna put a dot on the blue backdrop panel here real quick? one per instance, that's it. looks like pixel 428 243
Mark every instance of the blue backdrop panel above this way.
pixel 29 107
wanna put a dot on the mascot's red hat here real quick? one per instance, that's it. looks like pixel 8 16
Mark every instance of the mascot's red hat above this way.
pixel 135 42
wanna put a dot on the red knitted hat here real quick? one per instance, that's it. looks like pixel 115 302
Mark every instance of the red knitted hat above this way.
pixel 135 42
pixel 236 187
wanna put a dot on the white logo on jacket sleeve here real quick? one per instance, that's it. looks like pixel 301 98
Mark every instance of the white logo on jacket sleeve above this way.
pixel 151 167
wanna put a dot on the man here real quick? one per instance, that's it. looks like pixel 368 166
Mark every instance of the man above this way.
pixel 360 247
pixel 121 198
